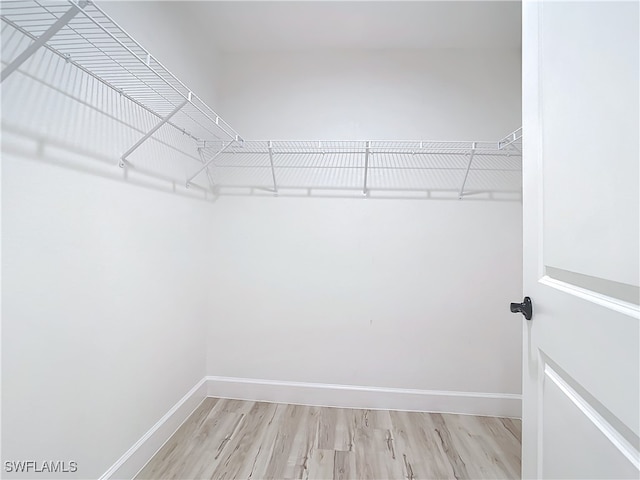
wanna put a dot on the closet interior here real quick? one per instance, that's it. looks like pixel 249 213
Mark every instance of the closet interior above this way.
pixel 154 256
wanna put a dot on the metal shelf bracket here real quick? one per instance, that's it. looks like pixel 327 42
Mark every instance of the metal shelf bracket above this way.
pixel 273 171
pixel 466 174
pixel 367 153
pixel 212 184
pixel 124 156
pixel 209 162
pixel 510 139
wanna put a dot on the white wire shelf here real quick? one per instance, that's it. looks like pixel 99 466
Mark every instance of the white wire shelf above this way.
pixel 78 54
pixel 460 167
pixel 86 37
pixel 296 147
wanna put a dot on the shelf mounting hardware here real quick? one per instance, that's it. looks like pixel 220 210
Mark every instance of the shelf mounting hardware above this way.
pixel 466 174
pixel 202 159
pixel 209 162
pixel 273 171
pixel 124 156
pixel 41 40
pixel 510 139
pixel 367 152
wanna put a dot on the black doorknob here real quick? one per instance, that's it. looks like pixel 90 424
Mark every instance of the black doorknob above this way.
pixel 525 308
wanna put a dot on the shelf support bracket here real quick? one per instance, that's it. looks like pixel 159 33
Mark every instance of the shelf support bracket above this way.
pixel 39 42
pixel 273 170
pixel 124 156
pixel 466 174
pixel 209 162
pixel 212 184
pixel 510 139
pixel 367 153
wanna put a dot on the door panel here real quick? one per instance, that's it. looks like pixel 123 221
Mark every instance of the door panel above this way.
pixel 589 87
pixel 567 416
pixel 596 345
pixel 581 201
pixel 608 288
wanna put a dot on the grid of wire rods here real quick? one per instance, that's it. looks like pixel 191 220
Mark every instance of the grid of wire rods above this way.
pixel 93 42
pixel 10 43
pixel 393 160
pixel 388 147
pixel 391 165
pixel 380 146
pixel 57 103
pixel 361 147
pixel 251 164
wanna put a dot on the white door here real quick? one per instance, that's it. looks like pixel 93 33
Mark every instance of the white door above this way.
pixel 581 368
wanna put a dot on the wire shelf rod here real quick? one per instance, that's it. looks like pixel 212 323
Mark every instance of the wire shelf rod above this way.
pixel 372 152
pixel 360 167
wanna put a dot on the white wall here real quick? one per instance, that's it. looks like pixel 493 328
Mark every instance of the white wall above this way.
pixel 103 312
pixel 387 293
pixel 430 94
pixel 104 274
pixel 408 294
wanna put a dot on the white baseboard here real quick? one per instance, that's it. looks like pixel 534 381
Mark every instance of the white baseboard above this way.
pixel 141 452
pixel 348 396
pixel 317 394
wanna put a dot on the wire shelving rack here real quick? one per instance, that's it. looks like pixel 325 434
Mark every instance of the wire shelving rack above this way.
pixel 370 165
pixel 86 37
pixel 81 34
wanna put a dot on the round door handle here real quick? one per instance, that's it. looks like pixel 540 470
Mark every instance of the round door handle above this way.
pixel 525 308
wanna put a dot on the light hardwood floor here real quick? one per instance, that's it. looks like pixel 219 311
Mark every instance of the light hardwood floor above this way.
pixel 235 439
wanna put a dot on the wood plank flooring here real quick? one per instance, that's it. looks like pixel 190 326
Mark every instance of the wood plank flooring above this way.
pixel 233 439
